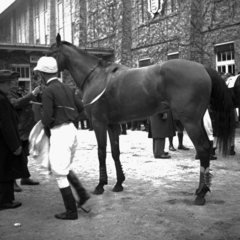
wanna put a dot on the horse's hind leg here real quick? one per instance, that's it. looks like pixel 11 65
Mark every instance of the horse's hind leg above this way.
pixel 114 130
pixel 202 144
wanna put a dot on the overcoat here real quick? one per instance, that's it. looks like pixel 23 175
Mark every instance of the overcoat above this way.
pixel 161 128
pixel 11 166
pixel 20 99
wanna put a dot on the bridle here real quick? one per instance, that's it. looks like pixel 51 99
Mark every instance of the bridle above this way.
pixel 88 75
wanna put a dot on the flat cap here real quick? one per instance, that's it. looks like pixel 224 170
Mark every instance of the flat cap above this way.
pixel 6 75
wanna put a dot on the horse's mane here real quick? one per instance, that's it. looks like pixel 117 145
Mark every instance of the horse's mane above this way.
pixel 110 66
pixel 82 51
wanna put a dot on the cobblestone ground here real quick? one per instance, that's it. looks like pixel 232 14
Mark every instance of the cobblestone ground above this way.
pixel 157 201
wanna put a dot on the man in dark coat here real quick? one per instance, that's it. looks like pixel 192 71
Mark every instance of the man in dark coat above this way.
pixel 13 163
pixel 161 126
pixel 20 100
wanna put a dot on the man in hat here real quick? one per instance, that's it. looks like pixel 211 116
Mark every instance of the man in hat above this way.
pixel 60 108
pixel 20 100
pixel 12 161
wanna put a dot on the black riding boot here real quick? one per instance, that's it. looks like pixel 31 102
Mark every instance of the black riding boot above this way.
pixel 81 191
pixel 70 205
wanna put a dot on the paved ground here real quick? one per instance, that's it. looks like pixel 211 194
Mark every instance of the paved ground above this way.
pixel 157 201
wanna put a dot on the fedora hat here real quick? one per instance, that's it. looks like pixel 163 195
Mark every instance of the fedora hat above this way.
pixel 8 75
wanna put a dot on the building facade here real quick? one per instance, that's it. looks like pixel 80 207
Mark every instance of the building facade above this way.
pixel 132 32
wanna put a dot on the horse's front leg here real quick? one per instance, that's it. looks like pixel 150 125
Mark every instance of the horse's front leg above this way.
pixel 101 135
pixel 114 131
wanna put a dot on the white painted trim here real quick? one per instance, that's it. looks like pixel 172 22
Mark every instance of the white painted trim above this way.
pixel 173 53
pixel 225 43
pixel 143 59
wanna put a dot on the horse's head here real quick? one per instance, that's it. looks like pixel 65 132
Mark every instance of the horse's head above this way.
pixel 78 62
pixel 55 51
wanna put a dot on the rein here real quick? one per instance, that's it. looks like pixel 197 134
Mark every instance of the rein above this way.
pixel 86 78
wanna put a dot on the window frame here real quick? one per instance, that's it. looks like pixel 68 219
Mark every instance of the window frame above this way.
pixel 172 55
pixel 144 60
pixel 225 65
pixel 26 67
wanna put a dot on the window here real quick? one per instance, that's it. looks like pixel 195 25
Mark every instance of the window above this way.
pixel 93 25
pixel 45 5
pixel 140 12
pixel 46 22
pixel 24 79
pixel 174 55
pixel 171 6
pixel 144 62
pixel 37 23
pixel 45 28
pixel 24 40
pixel 60 18
pixel 225 59
pixel 110 19
pixel 19 32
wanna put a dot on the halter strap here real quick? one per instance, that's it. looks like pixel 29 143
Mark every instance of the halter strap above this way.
pixel 57 52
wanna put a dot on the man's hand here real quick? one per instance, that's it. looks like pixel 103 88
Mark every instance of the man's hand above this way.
pixel 36 91
pixel 18 151
pixel 164 116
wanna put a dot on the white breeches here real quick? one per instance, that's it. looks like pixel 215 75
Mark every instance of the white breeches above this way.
pixel 63 145
pixel 207 122
pixel 62 181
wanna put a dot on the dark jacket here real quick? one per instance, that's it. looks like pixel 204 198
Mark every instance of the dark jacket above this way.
pixel 60 104
pixel 161 128
pixel 20 100
pixel 11 166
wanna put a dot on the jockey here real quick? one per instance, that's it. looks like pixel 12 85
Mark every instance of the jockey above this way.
pixel 60 109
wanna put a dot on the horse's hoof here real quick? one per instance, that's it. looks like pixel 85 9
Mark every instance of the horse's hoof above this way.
pixel 98 191
pixel 118 188
pixel 199 201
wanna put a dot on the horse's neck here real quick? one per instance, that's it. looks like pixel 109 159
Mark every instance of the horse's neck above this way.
pixel 79 64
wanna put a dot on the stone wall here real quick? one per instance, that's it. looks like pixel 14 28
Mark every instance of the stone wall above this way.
pixel 156 37
pixel 221 23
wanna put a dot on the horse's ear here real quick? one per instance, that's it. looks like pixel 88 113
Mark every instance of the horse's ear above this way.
pixel 58 39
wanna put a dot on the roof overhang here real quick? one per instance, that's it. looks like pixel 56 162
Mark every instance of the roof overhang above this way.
pixel 43 49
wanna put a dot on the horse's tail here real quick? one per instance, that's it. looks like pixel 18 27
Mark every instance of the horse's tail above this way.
pixel 221 105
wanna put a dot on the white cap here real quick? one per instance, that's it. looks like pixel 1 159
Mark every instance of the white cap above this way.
pixel 47 64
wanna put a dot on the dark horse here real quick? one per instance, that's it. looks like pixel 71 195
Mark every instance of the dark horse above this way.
pixel 113 94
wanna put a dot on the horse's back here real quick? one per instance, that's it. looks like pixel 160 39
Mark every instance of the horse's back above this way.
pixel 166 78
pixel 177 84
